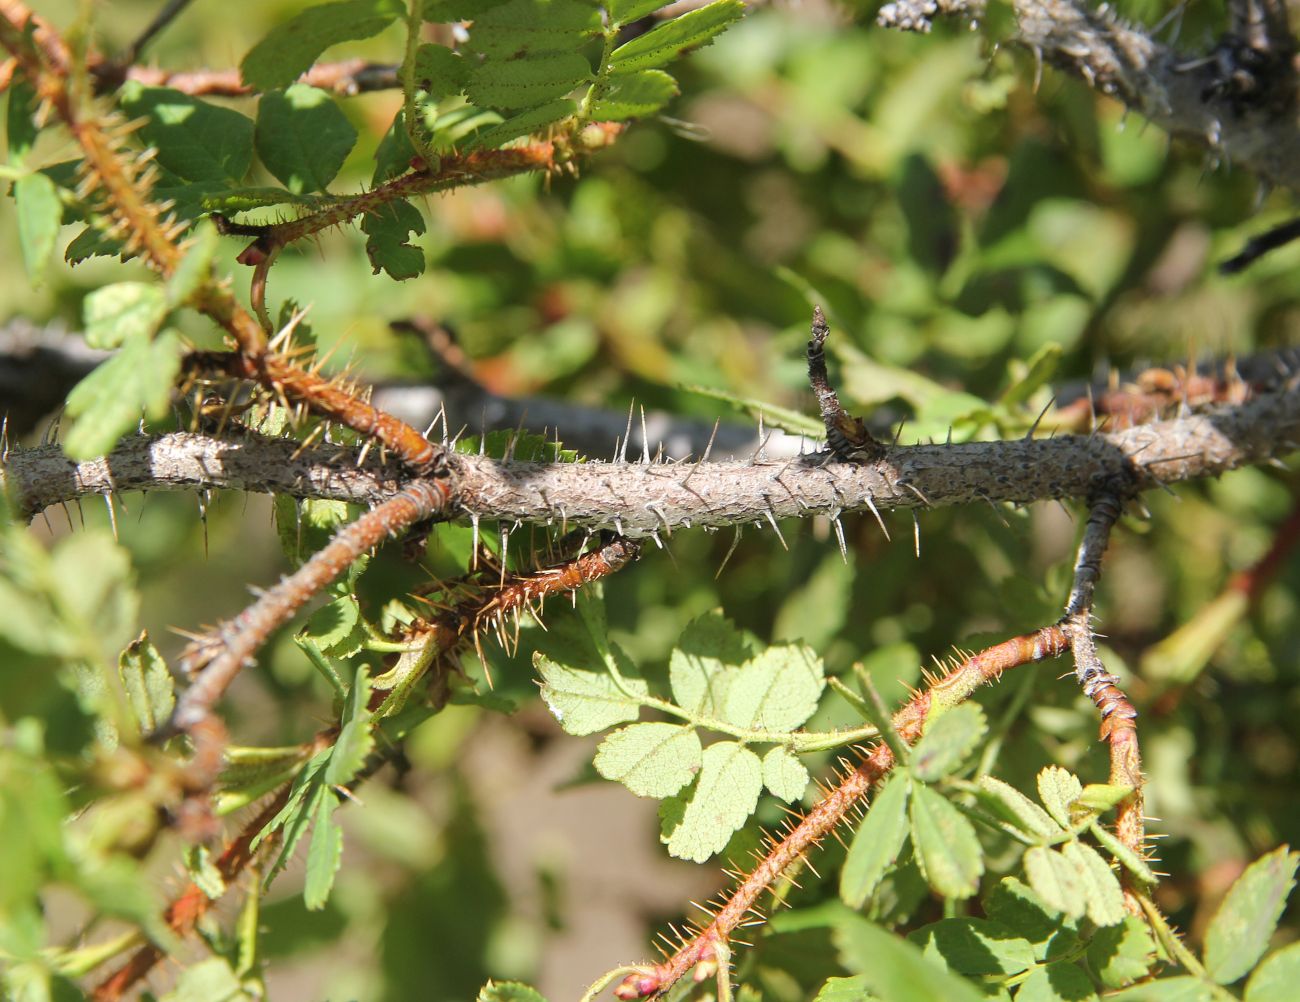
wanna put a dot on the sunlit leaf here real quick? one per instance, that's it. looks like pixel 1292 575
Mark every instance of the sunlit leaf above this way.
pixel 303 137
pixel 666 42
pixel 1240 930
pixel 947 741
pixel 585 701
pixel 784 774
pixel 876 844
pixel 292 46
pixel 195 139
pixel 731 778
pixel 651 760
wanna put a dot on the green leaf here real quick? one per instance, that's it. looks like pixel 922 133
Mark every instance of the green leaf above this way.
pixel 1058 789
pixel 439 72
pixel 195 140
pixel 699 666
pixel 896 969
pixel 1036 373
pixel 1059 982
pixel 149 686
pixel 731 778
pixel 291 47
pixel 668 41
pixel 394 154
pixel 356 738
pixel 209 980
pixel 196 266
pixel 947 741
pixel 1101 890
pixel 773 416
pixel 1278 974
pixel 302 137
pixel 1245 922
pixel 1180 989
pixel 306 526
pixel 626 11
pixel 946 846
pixel 1055 879
pixel 1125 856
pixel 323 855
pixel 777 689
pixel 975 946
pixel 510 31
pixel 95 592
pixel 634 95
pixel 91 242
pixel 20 126
pixel 784 774
pixel 1016 906
pixel 203 871
pixel 585 702
pixel 877 843
pixel 525 124
pixel 1008 804
pixel 1098 798
pixel 1120 954
pixel 526 83
pixel 852 989
pixel 107 403
pixel 40 214
pixel 115 314
pixel 296 816
pixel 509 991
pixel 387 229
pixel 335 628
pixel 651 760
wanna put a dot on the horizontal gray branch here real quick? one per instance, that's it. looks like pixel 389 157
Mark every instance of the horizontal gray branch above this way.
pixel 646 498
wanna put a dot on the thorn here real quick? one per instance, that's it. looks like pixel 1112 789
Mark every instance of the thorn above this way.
pixel 112 515
pixel 839 536
pixel 621 455
pixel 735 541
pixel 916 533
pixel 879 521
pixel 1038 420
pixel 645 441
pixel 771 517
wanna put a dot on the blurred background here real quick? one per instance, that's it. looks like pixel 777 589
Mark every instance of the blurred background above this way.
pixel 956 221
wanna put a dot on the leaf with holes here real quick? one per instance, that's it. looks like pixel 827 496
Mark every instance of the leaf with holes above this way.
pixel 388 229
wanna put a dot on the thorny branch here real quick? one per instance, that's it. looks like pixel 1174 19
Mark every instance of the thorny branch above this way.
pixel 482 608
pixel 642 499
pixel 1239 100
pixel 706 950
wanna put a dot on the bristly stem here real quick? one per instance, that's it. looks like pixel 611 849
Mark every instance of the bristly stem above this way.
pixel 708 946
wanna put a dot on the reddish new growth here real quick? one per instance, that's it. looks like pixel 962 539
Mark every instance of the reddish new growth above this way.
pixel 707 949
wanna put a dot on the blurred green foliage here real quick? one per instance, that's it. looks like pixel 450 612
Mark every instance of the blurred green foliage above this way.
pixel 971 237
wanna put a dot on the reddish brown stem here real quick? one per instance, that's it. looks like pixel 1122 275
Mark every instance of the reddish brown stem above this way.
pixel 219 658
pixel 955 686
pixel 454 170
pixel 185 911
pixel 347 77
pixel 330 400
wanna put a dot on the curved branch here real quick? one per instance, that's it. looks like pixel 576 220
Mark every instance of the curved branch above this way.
pixel 642 499
pixel 1237 100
